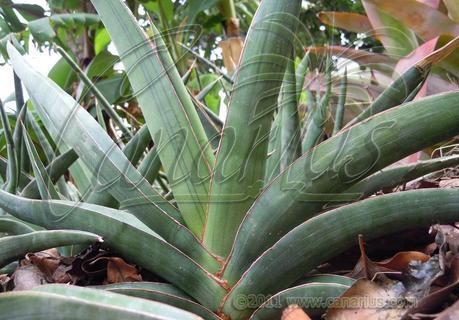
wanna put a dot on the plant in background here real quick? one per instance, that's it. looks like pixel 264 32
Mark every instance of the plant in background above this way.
pixel 242 209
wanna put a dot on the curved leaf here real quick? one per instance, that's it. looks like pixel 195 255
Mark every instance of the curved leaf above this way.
pixel 14 227
pixel 318 177
pixel 288 259
pixel 13 247
pixel 392 177
pixel 50 306
pixel 314 298
pixel 72 127
pixel 161 292
pixel 426 21
pixel 168 110
pixel 125 234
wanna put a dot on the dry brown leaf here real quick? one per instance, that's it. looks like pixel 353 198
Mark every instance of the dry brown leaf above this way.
pixel 368 300
pixel 294 312
pixel 399 262
pixel 120 271
pixel 231 51
pixel 47 261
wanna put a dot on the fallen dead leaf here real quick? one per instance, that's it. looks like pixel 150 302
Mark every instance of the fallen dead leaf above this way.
pixel 47 261
pixel 28 276
pixel 294 312
pixel 119 271
pixel 370 300
pixel 368 269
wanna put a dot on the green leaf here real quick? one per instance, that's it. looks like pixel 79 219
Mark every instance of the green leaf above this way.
pixel 308 245
pixel 101 40
pixel 195 7
pixel 44 183
pixel 392 177
pixel 241 159
pixel 150 165
pixel 328 278
pixel 125 234
pixel 300 74
pixel 159 310
pixel 14 247
pixel 94 69
pixel 73 127
pixel 51 306
pixel 12 169
pixel 318 178
pixel 13 226
pixel 62 74
pixel 319 115
pixel 167 108
pixel 396 93
pixel 313 297
pixel 274 150
pixel 161 292
pixel 43 29
pixel 290 126
pixel 339 115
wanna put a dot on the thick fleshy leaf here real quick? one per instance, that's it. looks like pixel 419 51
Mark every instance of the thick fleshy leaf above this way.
pixel 168 110
pixel 67 305
pixel 328 278
pixel 54 170
pixel 313 297
pixel 13 226
pixel 426 21
pixel 339 114
pixel 392 177
pixel 12 168
pixel 14 247
pixel 290 126
pixel 44 182
pixel 292 256
pixel 349 21
pixel 125 234
pixel 161 292
pixel 159 310
pixel 318 177
pixel 241 159
pixel 70 125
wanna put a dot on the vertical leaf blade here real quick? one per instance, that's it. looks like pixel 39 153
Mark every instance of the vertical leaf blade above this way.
pixel 168 110
pixel 241 159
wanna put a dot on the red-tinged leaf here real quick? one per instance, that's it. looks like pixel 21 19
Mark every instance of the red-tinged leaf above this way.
pixel 397 39
pixel 349 21
pixel 433 3
pixel 426 21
